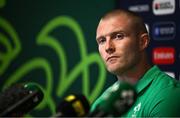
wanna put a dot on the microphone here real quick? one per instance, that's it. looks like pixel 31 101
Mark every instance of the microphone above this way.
pixel 19 99
pixel 117 101
pixel 74 105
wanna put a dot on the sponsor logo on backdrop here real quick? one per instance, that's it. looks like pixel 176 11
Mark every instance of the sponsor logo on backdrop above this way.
pixel 139 8
pixel 164 31
pixel 172 74
pixel 163 55
pixel 163 7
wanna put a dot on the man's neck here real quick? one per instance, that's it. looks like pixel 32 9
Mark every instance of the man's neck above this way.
pixel 133 75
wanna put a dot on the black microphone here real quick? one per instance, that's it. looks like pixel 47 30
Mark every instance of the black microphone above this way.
pixel 19 99
pixel 74 105
pixel 116 101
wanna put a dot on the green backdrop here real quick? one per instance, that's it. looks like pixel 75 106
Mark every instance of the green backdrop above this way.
pixel 52 43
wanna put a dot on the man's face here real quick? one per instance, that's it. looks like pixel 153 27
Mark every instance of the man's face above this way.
pixel 118 44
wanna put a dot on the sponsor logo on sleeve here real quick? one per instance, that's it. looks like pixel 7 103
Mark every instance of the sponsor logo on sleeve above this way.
pixel 163 55
pixel 136 109
pixel 164 31
pixel 163 7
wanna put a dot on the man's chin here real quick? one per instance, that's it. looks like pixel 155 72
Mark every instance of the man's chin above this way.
pixel 116 71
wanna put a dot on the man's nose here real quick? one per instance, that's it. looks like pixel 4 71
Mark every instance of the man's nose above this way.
pixel 110 48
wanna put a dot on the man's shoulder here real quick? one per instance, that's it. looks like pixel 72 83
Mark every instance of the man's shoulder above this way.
pixel 162 79
pixel 169 96
pixel 169 101
pixel 165 84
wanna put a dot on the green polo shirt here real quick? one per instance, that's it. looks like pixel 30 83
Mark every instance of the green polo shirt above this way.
pixel 158 96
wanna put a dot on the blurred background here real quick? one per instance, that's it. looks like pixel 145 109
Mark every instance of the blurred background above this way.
pixel 52 43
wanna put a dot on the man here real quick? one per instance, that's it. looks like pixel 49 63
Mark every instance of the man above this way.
pixel 122 41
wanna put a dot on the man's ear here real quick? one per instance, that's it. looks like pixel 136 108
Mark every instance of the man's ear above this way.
pixel 144 41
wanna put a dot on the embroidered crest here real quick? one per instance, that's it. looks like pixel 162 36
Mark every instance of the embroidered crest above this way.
pixel 136 109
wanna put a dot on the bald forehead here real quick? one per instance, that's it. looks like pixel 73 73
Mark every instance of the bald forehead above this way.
pixel 121 19
pixel 116 21
pixel 134 20
pixel 121 16
pixel 118 13
pixel 126 14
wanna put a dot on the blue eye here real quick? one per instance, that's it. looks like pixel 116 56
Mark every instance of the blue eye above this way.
pixel 119 36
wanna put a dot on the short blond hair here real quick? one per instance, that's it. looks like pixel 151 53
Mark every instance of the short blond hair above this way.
pixel 137 21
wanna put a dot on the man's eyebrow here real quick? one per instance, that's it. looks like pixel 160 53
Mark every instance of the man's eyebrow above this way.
pixel 115 32
pixel 98 38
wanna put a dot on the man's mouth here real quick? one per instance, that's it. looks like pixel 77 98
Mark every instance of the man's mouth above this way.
pixel 112 57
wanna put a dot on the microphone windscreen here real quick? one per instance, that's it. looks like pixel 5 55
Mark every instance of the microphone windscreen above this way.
pixel 75 105
pixel 116 101
pixel 19 99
